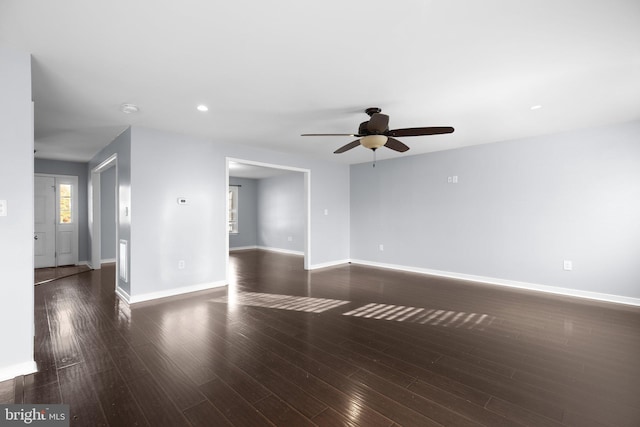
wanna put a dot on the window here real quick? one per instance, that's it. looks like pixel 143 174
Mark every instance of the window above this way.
pixel 65 204
pixel 233 209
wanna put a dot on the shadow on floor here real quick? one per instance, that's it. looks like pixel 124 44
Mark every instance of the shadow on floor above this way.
pixel 49 274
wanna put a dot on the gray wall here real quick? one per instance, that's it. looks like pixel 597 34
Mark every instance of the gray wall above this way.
pixel 165 166
pixel 57 167
pixel 248 214
pixel 108 214
pixel 520 208
pixel 16 228
pixel 281 214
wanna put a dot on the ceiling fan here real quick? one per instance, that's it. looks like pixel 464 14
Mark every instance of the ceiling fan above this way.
pixel 375 133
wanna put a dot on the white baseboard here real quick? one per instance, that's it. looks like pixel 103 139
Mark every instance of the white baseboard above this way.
pixel 282 251
pixel 13 371
pixel 123 295
pixel 107 261
pixel 242 248
pixel 508 283
pixel 175 291
pixel 328 264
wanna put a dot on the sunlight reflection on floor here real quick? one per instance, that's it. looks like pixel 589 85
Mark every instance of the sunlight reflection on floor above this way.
pixel 283 302
pixel 398 313
pixel 401 313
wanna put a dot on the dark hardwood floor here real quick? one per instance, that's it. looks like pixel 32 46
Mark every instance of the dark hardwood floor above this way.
pixel 348 345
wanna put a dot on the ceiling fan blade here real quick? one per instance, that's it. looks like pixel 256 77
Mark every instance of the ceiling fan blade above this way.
pixel 378 123
pixel 420 131
pixel 347 147
pixel 396 145
pixel 328 134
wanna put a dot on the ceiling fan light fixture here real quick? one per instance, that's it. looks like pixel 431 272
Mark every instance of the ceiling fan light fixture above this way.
pixel 373 141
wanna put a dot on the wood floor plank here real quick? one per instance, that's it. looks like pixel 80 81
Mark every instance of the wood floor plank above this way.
pixel 78 392
pixel 49 393
pixel 428 408
pixel 18 389
pixel 513 392
pixel 294 396
pixel 331 418
pixel 354 412
pixel 459 405
pixel 243 384
pixel 281 414
pixel 204 414
pixel 173 381
pixel 118 404
pixel 157 407
pixel 7 391
pixel 520 415
pixel 237 410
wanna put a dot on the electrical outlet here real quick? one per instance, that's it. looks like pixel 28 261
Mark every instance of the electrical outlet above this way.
pixel 455 179
pixel 568 265
pixel 181 265
pixel 381 247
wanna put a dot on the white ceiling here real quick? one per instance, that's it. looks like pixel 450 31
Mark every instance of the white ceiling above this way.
pixel 272 70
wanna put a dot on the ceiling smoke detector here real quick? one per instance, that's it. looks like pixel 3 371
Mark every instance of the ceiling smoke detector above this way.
pixel 129 108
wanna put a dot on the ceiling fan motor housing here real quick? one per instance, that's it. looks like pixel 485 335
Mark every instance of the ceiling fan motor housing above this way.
pixel 364 130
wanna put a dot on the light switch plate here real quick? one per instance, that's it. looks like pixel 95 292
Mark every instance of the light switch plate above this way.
pixel 3 208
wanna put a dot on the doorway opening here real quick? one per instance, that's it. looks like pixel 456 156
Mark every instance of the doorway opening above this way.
pixel 233 165
pixel 98 214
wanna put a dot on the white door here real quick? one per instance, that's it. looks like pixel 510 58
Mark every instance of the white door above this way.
pixel 66 220
pixel 55 220
pixel 45 222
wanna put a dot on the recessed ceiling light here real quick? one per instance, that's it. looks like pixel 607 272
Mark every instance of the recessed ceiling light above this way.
pixel 536 107
pixel 203 108
pixel 129 108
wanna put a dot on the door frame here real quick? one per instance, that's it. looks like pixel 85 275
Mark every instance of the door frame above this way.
pixel 73 179
pixel 307 206
pixel 95 214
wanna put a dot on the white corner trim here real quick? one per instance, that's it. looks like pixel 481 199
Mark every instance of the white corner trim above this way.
pixel 242 248
pixel 13 371
pixel 329 264
pixel 175 291
pixel 619 299
pixel 123 295
pixel 282 251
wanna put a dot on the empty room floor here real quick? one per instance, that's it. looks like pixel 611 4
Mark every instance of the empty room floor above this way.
pixel 347 345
